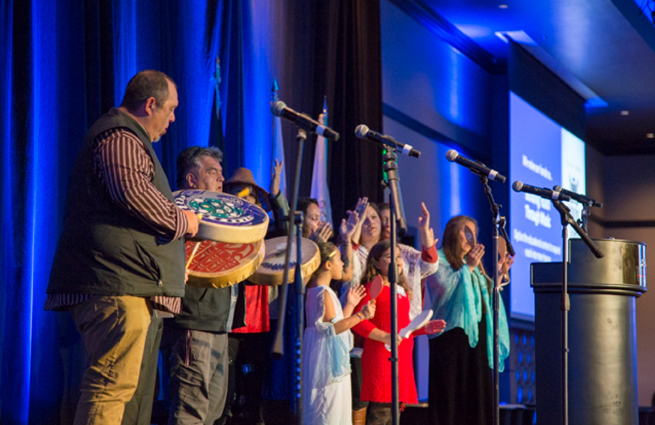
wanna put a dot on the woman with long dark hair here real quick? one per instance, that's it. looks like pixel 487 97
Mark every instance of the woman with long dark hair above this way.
pixel 315 225
pixel 461 387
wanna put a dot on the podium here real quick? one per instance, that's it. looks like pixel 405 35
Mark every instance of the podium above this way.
pixel 602 333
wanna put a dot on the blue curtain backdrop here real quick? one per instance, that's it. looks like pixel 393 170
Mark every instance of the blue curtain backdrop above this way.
pixel 64 63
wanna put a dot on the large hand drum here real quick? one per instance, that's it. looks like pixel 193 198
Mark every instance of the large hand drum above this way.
pixel 271 272
pixel 218 265
pixel 233 230
pixel 224 218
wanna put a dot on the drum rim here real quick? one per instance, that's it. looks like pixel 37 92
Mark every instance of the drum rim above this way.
pixel 226 233
pixel 307 269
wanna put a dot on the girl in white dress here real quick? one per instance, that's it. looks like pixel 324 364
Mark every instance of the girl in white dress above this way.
pixel 327 342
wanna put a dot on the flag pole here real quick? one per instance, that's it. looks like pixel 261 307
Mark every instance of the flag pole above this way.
pixel 274 98
pixel 319 187
pixel 325 111
pixel 217 86
pixel 219 140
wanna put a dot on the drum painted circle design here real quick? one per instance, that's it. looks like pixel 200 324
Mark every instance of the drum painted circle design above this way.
pixel 223 217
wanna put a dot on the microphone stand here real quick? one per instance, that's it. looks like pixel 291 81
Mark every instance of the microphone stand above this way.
pixel 295 218
pixel 391 168
pixel 565 306
pixel 497 220
pixel 584 218
pixel 503 234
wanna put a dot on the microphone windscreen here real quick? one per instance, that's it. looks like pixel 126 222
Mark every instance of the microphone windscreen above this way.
pixel 517 186
pixel 451 155
pixel 277 108
pixel 361 131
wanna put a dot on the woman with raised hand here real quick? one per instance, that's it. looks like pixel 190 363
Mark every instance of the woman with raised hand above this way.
pixel 315 226
pixel 347 229
pixel 461 387
pixel 417 264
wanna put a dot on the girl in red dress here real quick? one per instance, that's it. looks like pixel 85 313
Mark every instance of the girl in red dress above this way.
pixel 376 368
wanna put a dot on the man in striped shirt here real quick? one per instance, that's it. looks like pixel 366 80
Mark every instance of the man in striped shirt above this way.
pixel 120 254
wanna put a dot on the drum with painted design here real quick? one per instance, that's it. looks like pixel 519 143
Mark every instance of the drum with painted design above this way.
pixel 218 264
pixel 271 271
pixel 223 217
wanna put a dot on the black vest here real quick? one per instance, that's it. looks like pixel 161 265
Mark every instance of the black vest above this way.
pixel 103 248
pixel 204 309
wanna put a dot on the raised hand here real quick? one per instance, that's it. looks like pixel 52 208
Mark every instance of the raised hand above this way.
pixel 348 227
pixel 362 203
pixel 426 232
pixel 274 188
pixel 504 265
pixel 322 233
pixel 368 310
pixel 355 295
pixel 435 327
pixel 360 209
pixel 475 256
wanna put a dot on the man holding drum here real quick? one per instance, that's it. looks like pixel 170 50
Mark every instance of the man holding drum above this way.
pixel 120 254
pixel 195 341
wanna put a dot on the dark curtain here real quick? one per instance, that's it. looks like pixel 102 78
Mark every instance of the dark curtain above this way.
pixel 43 118
pixel 64 63
pixel 342 60
pixel 357 164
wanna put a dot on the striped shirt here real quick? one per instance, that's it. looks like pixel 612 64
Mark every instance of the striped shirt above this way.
pixel 62 302
pixel 125 169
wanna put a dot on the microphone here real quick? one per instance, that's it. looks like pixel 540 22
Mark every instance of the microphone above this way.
pixel 544 192
pixel 476 167
pixel 363 132
pixel 583 199
pixel 304 121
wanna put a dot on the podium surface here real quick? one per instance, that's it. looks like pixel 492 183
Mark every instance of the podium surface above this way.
pixel 602 333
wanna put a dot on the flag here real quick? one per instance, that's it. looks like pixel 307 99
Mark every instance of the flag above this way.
pixel 320 190
pixel 277 152
pixel 216 137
